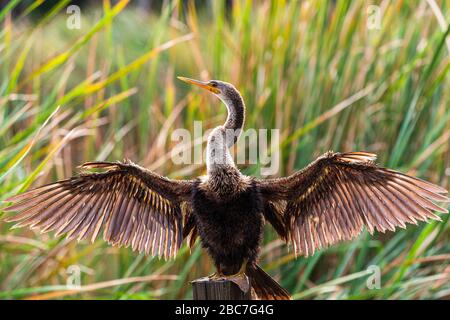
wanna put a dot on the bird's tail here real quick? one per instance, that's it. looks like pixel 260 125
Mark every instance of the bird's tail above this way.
pixel 266 288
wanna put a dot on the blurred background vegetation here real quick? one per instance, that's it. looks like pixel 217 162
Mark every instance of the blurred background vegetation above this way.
pixel 323 72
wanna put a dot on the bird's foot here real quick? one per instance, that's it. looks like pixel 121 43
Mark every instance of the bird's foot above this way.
pixel 216 276
pixel 241 280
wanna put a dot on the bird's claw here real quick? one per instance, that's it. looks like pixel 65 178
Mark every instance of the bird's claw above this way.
pixel 241 280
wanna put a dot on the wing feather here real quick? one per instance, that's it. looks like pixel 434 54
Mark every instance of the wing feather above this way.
pixel 132 205
pixel 333 198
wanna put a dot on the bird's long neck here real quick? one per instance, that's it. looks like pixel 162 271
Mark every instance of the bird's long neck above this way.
pixel 236 117
pixel 224 137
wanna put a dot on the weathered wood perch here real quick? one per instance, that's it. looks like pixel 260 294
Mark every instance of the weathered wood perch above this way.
pixel 207 289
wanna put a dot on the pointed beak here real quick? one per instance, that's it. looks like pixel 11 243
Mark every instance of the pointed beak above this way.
pixel 201 84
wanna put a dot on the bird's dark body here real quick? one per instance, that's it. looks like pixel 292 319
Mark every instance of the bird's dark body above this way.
pixel 230 228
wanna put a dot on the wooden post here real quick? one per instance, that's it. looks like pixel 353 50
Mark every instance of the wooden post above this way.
pixel 207 289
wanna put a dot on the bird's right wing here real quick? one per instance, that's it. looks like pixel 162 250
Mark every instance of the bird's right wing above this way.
pixel 339 193
pixel 134 206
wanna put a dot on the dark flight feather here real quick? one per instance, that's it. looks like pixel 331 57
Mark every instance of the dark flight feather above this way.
pixel 134 206
pixel 333 198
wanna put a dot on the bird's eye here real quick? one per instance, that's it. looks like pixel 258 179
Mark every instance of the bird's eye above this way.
pixel 213 84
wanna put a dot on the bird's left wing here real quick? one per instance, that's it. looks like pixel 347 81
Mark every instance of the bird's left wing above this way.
pixel 339 193
pixel 134 206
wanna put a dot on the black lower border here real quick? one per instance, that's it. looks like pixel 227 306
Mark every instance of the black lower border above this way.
pixel 129 310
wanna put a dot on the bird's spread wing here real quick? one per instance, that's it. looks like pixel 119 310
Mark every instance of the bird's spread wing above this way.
pixel 335 196
pixel 134 206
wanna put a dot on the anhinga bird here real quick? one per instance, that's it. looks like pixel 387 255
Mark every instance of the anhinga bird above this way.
pixel 328 201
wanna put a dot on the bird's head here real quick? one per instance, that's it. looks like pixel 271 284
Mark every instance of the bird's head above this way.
pixel 224 90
